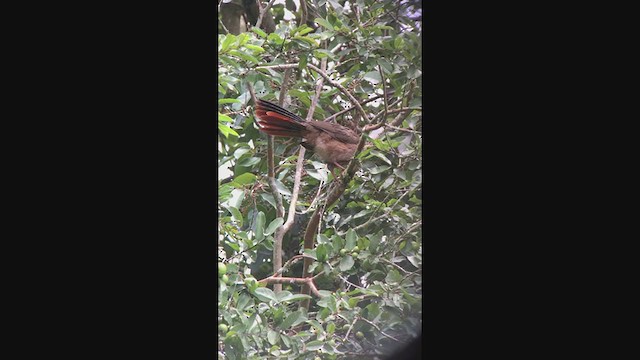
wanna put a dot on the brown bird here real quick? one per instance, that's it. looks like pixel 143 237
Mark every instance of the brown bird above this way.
pixel 334 144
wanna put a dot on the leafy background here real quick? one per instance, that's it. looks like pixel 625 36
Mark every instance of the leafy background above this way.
pixel 369 242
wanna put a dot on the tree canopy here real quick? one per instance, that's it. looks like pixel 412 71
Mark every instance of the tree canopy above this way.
pixel 314 264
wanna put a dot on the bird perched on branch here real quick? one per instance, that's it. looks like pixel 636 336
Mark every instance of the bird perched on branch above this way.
pixel 334 144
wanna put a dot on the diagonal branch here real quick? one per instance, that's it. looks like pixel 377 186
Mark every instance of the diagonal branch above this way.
pixel 333 83
pixel 263 11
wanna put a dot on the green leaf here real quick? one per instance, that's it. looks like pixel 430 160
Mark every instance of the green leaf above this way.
pixel 276 223
pixel 375 241
pixel 372 77
pixel 380 155
pixel 268 198
pixel 228 40
pixel 314 345
pixel 227 101
pixel 393 277
pixel 272 337
pixel 265 294
pixel 255 48
pixel 246 178
pixel 311 253
pixel 372 310
pixel 324 23
pixel 223 117
pixel 233 347
pixel 236 215
pixel 337 242
pixel 260 220
pixel 306 39
pixel 291 319
pixel 414 261
pixel 295 297
pixel 322 53
pixel 259 31
pixel 352 237
pixel 346 263
pixel 281 188
pixel 244 56
pixel 378 169
pixel 275 38
pixel 331 328
pixel 305 30
pixel 250 161
pixel 398 42
pixel 303 61
pixel 226 131
pixel 321 252
pixel 387 67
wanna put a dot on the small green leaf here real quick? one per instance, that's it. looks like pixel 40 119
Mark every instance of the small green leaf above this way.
pixel 324 23
pixel 272 337
pixel 331 328
pixel 322 53
pixel 228 40
pixel 314 345
pixel 352 237
pixel 259 31
pixel 306 39
pixel 250 161
pixel 398 42
pixel 303 61
pixel 269 198
pixel 321 252
pixel 245 178
pixel 223 117
pixel 265 294
pixel 275 38
pixel 236 215
pixel 226 130
pixel 254 48
pixel 244 56
pixel 372 77
pixel 379 169
pixel 380 155
pixel 295 297
pixel 311 253
pixel 276 223
pixel 228 101
pixel 393 277
pixel 260 220
pixel 413 260
pixel 290 320
pixel 305 30
pixel 281 188
pixel 346 263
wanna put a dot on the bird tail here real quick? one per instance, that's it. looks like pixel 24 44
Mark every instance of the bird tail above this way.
pixel 277 121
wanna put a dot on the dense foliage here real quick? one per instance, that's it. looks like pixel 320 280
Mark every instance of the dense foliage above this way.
pixel 368 246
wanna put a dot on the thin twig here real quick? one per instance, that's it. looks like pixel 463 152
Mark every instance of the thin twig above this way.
pixel 220 18
pixel 394 264
pixel 352 107
pixel 346 336
pixel 290 262
pixel 402 129
pixel 326 77
pixel 381 332
pixel 290 280
pixel 263 11
pixel 386 214
pixel 384 92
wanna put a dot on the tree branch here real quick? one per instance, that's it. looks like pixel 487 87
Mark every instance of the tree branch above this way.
pixel 263 11
pixel 327 79
pixel 289 280
pixel 381 332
